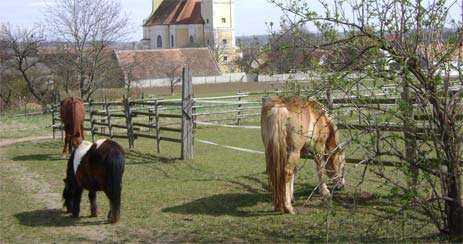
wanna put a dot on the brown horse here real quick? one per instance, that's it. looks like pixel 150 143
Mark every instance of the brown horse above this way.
pixel 72 114
pixel 291 126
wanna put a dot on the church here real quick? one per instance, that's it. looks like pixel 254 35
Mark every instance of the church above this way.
pixel 190 23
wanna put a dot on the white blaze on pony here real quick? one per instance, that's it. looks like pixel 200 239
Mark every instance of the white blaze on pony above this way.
pixel 82 150
pixel 291 126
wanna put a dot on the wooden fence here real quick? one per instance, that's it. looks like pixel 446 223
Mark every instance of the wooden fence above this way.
pixel 153 118
pixel 132 119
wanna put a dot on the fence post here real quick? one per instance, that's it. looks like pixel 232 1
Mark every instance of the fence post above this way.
pixel 92 120
pixel 128 121
pixel 53 126
pixel 238 120
pixel 187 112
pixel 158 129
pixel 108 117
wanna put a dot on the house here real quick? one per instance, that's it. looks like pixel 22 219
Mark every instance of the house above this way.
pixel 160 67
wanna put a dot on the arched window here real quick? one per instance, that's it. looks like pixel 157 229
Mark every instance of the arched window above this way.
pixel 159 42
pixel 192 40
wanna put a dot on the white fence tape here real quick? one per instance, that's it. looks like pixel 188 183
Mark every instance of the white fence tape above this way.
pixel 230 147
pixel 228 126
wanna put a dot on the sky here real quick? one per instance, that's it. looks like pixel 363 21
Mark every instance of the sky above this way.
pixel 250 15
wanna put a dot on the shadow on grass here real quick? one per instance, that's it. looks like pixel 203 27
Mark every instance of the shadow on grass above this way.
pixel 134 157
pixel 53 218
pixel 224 204
pixel 38 157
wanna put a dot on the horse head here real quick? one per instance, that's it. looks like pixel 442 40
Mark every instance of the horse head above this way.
pixel 67 195
pixel 335 166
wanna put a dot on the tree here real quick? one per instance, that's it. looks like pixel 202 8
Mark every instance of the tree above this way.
pixel 86 28
pixel 291 49
pixel 251 53
pixel 21 56
pixel 410 34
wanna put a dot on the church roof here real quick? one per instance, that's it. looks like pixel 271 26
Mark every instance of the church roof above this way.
pixel 172 12
pixel 159 63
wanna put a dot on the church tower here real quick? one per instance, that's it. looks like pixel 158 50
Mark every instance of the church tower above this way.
pixel 219 23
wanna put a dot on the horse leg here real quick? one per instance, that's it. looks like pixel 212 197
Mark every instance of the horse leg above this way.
pixel 66 144
pixel 94 212
pixel 77 196
pixel 290 171
pixel 293 199
pixel 114 209
pixel 323 188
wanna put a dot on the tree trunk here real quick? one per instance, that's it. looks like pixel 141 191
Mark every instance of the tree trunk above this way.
pixel 454 207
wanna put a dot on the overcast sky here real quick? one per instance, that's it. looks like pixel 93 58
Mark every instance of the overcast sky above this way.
pixel 250 15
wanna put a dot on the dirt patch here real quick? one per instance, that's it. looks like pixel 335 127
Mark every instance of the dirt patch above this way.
pixel 6 142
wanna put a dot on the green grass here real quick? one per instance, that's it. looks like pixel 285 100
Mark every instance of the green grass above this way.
pixel 219 196
pixel 24 126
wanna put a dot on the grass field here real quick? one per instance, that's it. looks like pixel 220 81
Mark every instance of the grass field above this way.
pixel 219 196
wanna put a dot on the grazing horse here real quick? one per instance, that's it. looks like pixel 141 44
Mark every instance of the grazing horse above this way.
pixel 95 167
pixel 291 126
pixel 72 114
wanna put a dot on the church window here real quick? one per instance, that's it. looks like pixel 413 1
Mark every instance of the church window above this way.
pixel 224 20
pixel 224 41
pixel 192 40
pixel 207 21
pixel 172 41
pixel 208 42
pixel 159 42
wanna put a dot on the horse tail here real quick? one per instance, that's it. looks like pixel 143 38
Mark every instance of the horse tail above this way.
pixel 274 132
pixel 115 161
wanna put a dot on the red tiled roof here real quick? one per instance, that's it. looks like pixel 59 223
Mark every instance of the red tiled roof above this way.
pixel 171 12
pixel 158 63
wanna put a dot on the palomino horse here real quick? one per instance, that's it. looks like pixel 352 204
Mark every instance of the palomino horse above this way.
pixel 95 167
pixel 291 126
pixel 72 114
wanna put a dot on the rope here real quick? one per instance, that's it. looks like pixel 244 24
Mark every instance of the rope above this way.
pixel 228 126
pixel 230 147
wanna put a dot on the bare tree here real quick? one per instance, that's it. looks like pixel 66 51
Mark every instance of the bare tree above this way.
pixel 374 35
pixel 130 67
pixel 249 62
pixel 86 28
pixel 173 73
pixel 21 54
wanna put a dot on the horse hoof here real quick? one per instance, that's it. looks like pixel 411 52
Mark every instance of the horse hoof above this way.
pixel 290 211
pixel 94 212
pixel 339 187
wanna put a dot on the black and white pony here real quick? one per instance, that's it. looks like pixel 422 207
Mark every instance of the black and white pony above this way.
pixel 95 167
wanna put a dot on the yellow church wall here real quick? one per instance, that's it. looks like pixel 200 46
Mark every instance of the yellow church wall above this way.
pixel 181 37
